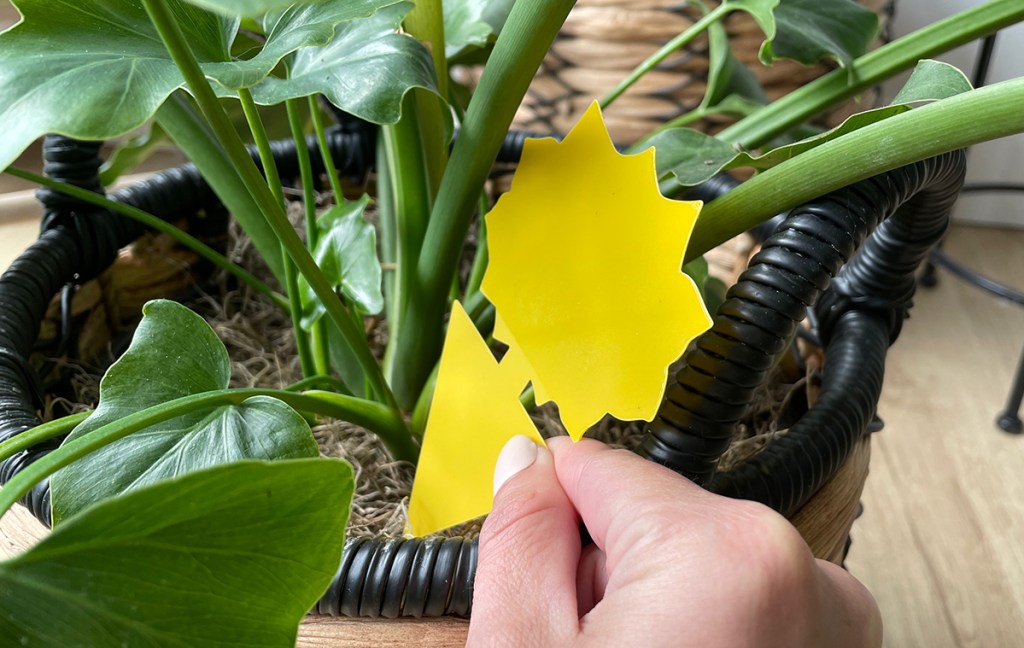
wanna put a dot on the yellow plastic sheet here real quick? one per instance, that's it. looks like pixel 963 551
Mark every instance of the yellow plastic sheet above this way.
pixel 584 273
pixel 585 257
pixel 474 412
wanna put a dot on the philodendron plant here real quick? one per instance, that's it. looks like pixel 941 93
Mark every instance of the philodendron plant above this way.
pixel 217 494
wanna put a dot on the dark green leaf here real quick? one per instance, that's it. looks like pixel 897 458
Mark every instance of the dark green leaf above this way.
pixel 301 26
pixel 464 26
pixel 346 252
pixel 727 76
pixel 689 155
pixel 230 556
pixel 94 69
pixel 472 23
pixel 931 81
pixel 174 354
pixel 692 157
pixel 810 30
pixel 344 361
pixel 249 8
pixel 365 70
pixel 762 11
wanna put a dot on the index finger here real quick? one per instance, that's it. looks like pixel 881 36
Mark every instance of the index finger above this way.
pixel 614 490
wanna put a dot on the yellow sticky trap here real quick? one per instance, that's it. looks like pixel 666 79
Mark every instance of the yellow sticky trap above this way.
pixel 475 411
pixel 584 273
pixel 585 258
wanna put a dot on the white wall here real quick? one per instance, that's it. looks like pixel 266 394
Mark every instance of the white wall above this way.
pixel 999 161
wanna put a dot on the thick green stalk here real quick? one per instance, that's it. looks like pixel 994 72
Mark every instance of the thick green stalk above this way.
pixel 193 136
pixel 426 23
pixel 373 416
pixel 45 432
pixel 524 40
pixel 800 105
pixel 482 256
pixel 966 119
pixel 291 280
pixel 325 152
pixel 355 338
pixel 320 362
pixel 410 190
pixel 680 41
pixel 151 221
pixel 388 237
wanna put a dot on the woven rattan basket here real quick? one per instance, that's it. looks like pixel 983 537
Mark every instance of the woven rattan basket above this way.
pixel 603 40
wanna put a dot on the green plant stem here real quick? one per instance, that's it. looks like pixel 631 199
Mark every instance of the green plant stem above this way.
pixel 325 152
pixel 426 23
pixel 45 432
pixel 318 354
pixel 259 135
pixel 159 225
pixel 966 119
pixel 800 105
pixel 291 279
pixel 525 38
pixel 682 40
pixel 328 381
pixel 374 416
pixel 420 413
pixel 388 238
pixel 410 187
pixel 355 338
pixel 193 136
pixel 482 256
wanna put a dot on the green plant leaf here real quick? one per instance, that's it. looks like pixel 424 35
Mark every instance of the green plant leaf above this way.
pixel 174 354
pixel 472 23
pixel 229 556
pixel 762 11
pixel 931 81
pixel 131 153
pixel 727 76
pixel 250 8
pixel 346 252
pixel 692 157
pixel 365 70
pixel 95 69
pixel 810 30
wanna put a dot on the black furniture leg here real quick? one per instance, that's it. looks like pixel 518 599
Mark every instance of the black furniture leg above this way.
pixel 1009 420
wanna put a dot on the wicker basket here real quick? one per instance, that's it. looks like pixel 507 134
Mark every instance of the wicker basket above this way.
pixel 603 40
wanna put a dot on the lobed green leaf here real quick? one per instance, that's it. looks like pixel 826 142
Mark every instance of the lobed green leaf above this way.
pixel 173 354
pixel 346 251
pixel 248 8
pixel 366 69
pixel 96 69
pixel 229 556
pixel 808 31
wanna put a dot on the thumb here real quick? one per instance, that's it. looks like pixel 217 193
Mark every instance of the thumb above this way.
pixel 525 588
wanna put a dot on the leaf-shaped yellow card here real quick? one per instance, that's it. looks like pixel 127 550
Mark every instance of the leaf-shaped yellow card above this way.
pixel 585 258
pixel 584 272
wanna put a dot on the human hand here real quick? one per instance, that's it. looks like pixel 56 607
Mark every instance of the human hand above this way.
pixel 671 564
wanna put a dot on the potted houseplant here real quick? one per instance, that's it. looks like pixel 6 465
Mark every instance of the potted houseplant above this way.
pixel 138 471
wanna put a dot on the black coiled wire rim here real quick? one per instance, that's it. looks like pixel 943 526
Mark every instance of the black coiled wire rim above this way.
pixel 860 315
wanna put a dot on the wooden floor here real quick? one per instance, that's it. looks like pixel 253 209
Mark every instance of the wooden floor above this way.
pixel 941 542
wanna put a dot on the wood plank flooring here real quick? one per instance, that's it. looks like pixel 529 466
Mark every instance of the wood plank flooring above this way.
pixel 941 541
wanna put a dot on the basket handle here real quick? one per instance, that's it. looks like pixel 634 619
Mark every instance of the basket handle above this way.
pixel 907 210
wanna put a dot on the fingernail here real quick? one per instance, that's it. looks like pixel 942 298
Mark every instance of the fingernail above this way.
pixel 518 454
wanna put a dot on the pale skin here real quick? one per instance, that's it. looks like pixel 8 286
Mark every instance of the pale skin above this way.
pixel 671 564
